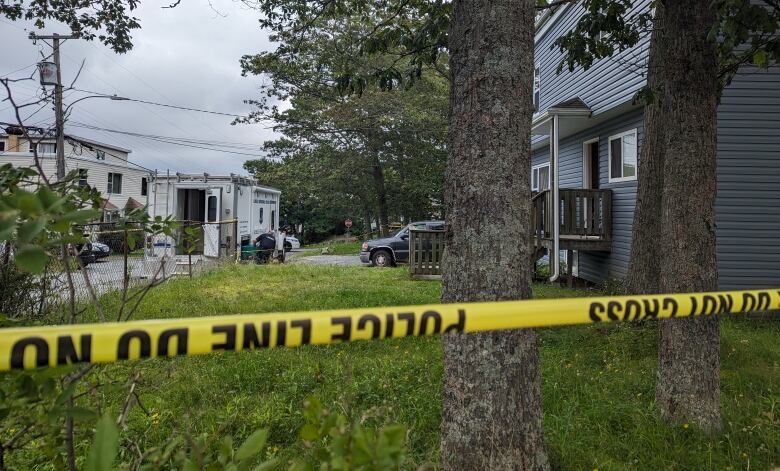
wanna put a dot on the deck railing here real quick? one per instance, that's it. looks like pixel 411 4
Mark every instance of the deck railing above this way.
pixel 425 252
pixel 584 213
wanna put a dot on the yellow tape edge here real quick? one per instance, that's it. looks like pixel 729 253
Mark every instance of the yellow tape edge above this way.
pixel 32 347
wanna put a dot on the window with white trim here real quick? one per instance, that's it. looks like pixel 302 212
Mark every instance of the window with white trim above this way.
pixel 540 177
pixel 623 156
pixel 2 146
pixel 115 183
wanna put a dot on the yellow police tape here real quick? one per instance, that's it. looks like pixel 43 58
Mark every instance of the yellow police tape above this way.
pixel 31 347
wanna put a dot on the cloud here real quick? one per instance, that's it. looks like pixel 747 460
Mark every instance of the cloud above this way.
pixel 187 56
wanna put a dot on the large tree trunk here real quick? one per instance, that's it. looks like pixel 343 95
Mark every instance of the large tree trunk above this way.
pixel 688 384
pixel 492 417
pixel 681 136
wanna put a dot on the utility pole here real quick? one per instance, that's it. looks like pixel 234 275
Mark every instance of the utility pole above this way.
pixel 58 111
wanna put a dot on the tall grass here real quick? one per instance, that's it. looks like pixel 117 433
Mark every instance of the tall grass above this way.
pixel 597 380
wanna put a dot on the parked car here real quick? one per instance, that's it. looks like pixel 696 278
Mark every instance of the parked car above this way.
pixel 83 252
pixel 100 250
pixel 291 243
pixel 388 251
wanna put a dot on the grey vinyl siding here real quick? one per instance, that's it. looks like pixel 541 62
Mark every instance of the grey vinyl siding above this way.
pixel 598 266
pixel 747 210
pixel 608 83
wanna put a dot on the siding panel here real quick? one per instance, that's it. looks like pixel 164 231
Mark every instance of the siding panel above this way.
pixel 747 211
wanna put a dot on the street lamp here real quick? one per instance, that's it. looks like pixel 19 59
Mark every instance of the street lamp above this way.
pixel 110 97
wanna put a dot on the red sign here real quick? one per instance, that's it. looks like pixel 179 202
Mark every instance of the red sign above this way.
pixel 348 223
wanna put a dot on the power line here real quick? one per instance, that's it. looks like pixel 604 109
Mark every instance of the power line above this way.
pixel 20 69
pixel 212 143
pixel 167 140
pixel 185 108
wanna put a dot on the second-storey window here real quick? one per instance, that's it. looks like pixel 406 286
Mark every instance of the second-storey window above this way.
pixel 114 183
pixel 82 177
pixel 537 87
pixel 540 177
pixel 144 186
pixel 623 156
pixel 100 154
pixel 45 148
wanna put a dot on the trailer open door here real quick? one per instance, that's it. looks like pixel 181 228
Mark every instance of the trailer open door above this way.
pixel 213 209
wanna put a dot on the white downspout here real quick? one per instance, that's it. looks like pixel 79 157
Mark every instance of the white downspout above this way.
pixel 555 255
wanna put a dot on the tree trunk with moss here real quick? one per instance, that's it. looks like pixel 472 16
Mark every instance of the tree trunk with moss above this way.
pixel 492 416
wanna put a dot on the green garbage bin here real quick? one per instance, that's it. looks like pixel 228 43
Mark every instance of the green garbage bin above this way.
pixel 248 252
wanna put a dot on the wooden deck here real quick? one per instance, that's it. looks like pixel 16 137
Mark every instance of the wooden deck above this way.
pixel 585 224
pixel 585 219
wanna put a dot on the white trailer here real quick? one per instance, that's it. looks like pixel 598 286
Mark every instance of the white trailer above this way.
pixel 208 200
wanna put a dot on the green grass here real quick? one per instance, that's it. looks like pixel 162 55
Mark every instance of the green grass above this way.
pixel 340 248
pixel 597 380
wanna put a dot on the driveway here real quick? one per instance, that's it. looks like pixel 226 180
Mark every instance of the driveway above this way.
pixel 312 257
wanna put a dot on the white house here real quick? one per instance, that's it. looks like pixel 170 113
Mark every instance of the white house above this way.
pixel 122 184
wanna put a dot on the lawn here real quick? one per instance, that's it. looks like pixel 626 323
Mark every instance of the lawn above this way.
pixel 597 381
pixel 340 248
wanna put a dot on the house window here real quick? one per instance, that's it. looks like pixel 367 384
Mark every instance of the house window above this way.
pixel 45 148
pixel 540 177
pixel 2 146
pixel 100 154
pixel 537 87
pixel 114 183
pixel 144 186
pixel 261 215
pixel 82 177
pixel 623 156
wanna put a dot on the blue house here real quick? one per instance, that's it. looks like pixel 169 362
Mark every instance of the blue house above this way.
pixel 587 137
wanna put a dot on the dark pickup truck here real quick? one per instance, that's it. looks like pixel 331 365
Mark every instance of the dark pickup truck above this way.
pixel 389 251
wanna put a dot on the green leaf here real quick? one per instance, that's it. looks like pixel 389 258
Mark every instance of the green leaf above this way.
pixel 760 58
pixel 7 224
pixel 104 448
pixel 28 202
pixel 309 433
pixel 252 445
pixel 79 413
pixel 49 199
pixel 267 465
pixel 31 258
pixel 30 229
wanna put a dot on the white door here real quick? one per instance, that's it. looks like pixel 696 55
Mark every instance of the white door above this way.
pixel 213 209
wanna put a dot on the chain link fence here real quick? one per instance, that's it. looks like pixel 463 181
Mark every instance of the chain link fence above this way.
pixel 117 257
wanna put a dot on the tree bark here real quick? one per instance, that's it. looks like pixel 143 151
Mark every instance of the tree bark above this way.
pixel 492 413
pixel 644 266
pixel 678 254
pixel 381 195
pixel 688 384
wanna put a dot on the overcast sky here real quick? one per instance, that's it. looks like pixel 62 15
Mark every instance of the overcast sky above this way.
pixel 186 56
